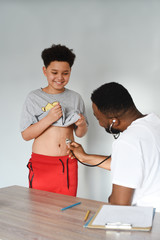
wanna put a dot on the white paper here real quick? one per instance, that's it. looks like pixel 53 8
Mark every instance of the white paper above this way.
pixel 136 216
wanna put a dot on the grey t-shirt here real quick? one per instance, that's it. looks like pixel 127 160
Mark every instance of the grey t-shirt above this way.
pixel 37 104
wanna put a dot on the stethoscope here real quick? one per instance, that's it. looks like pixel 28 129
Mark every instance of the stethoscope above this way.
pixel 68 141
pixel 115 135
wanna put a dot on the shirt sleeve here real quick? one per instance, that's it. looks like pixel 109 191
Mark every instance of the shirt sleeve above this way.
pixel 27 115
pixel 127 166
pixel 82 109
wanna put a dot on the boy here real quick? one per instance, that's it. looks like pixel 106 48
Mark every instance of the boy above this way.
pixel 50 115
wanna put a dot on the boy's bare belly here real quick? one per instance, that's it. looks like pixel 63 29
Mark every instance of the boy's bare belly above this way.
pixel 53 141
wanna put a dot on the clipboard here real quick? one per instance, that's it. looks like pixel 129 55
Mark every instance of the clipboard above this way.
pixel 116 217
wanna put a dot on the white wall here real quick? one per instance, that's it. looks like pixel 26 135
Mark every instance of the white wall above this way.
pixel 116 40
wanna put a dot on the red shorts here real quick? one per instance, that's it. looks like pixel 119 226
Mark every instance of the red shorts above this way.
pixel 53 174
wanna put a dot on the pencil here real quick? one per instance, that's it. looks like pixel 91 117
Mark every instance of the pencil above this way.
pixel 86 215
pixel 70 206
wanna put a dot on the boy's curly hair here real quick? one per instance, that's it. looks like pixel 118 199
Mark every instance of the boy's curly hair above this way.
pixel 58 53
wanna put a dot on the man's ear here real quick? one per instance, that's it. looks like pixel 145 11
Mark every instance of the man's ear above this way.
pixel 115 122
pixel 44 70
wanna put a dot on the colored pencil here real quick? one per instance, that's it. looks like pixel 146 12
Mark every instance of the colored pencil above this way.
pixel 70 206
pixel 87 214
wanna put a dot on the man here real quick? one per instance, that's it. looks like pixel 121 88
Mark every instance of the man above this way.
pixel 135 160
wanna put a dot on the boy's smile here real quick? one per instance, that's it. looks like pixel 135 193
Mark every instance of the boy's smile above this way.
pixel 57 74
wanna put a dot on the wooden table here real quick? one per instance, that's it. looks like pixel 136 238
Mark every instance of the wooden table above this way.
pixel 33 214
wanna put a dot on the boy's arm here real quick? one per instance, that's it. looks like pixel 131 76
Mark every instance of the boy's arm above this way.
pixel 81 126
pixel 38 128
pixel 121 195
pixel 88 158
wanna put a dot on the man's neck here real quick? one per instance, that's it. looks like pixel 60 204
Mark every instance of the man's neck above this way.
pixel 131 117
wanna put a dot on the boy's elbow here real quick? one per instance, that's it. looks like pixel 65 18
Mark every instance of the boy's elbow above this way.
pixel 80 134
pixel 24 136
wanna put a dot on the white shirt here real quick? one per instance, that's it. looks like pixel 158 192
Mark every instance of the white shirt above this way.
pixel 136 161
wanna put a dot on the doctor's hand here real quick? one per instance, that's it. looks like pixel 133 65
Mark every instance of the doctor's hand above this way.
pixel 76 150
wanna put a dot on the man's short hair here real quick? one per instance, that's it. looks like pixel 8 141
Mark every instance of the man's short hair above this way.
pixel 112 98
pixel 58 53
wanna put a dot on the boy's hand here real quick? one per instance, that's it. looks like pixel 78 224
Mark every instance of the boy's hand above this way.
pixel 81 122
pixel 55 113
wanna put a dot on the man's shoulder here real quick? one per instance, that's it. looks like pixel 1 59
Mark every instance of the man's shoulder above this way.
pixel 142 129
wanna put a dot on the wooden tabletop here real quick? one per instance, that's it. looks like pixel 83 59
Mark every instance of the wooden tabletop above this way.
pixel 27 214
